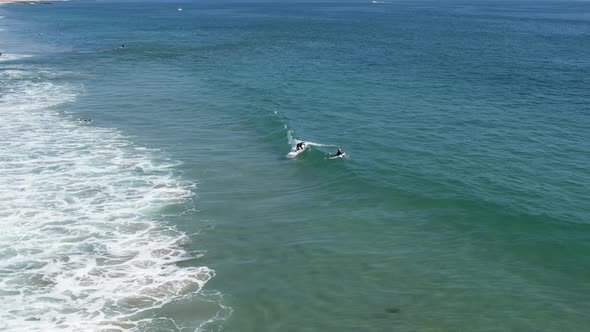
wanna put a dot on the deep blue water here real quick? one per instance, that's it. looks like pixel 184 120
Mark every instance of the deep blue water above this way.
pixel 463 204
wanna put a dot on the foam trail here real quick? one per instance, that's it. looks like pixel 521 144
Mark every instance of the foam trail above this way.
pixel 293 141
pixel 319 144
pixel 81 248
pixel 290 139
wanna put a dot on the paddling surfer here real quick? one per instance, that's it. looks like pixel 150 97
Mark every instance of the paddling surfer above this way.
pixel 338 153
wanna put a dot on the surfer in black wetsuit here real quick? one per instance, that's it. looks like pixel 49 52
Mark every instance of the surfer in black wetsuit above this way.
pixel 338 153
pixel 300 146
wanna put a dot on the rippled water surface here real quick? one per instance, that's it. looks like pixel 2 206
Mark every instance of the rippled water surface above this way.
pixel 462 205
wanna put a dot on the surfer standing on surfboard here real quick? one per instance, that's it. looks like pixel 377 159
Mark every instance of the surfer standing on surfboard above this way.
pixel 300 146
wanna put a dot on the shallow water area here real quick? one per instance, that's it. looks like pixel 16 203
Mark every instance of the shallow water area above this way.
pixel 83 246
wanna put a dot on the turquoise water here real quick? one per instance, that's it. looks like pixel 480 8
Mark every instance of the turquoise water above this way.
pixel 463 205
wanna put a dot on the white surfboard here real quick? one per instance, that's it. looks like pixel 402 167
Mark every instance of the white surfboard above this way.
pixel 294 153
pixel 336 157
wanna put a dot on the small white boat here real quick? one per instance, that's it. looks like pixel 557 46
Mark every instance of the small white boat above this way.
pixel 179 9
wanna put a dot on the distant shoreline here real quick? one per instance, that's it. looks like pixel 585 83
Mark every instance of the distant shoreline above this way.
pixel 7 2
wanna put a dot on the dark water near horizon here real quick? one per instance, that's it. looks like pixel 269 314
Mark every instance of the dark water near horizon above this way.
pixel 463 205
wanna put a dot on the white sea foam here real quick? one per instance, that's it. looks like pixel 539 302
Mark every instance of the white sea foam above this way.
pixel 290 139
pixel 80 246
pixel 293 141
pixel 319 144
pixel 13 57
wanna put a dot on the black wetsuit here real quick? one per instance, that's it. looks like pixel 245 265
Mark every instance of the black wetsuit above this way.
pixel 338 153
pixel 299 146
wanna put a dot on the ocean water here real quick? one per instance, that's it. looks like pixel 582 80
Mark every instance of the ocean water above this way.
pixel 463 204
